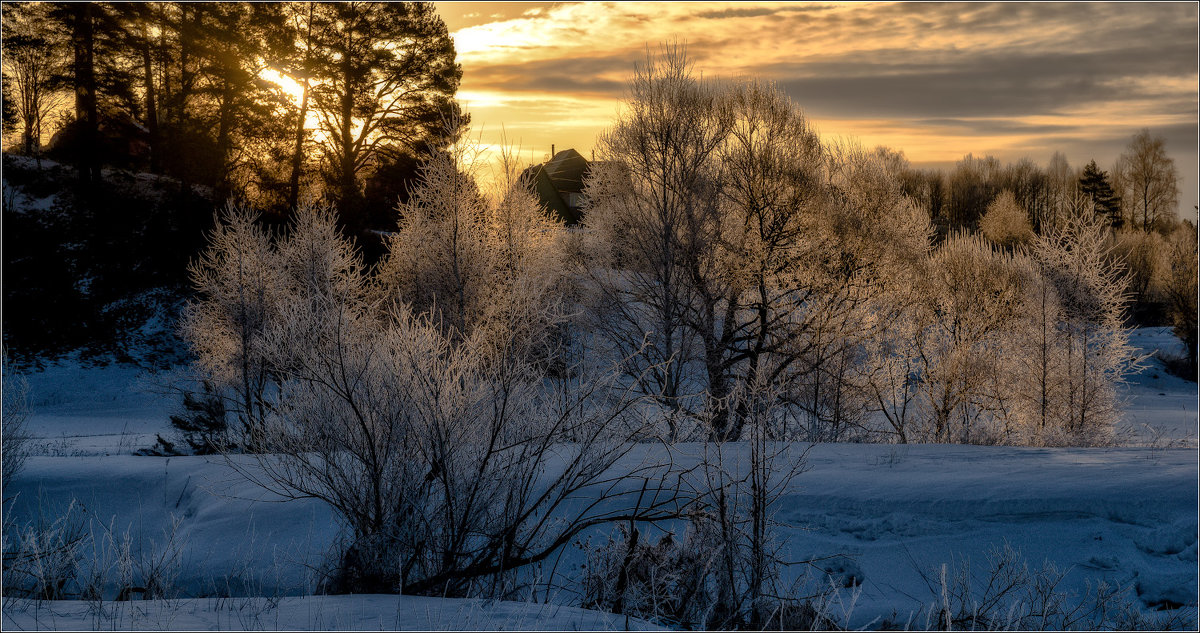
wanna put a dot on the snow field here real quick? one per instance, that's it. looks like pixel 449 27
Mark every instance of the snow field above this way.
pixel 882 515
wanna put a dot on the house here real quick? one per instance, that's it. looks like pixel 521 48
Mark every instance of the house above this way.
pixel 558 184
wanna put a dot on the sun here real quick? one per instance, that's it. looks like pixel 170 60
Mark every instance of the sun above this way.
pixel 292 88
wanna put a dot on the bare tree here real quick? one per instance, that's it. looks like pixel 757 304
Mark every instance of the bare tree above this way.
pixel 36 66
pixel 1180 285
pixel 652 197
pixel 1147 180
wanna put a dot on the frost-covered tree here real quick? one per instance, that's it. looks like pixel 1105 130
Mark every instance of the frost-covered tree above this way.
pixel 857 263
pixel 749 284
pixel 240 286
pixel 1076 260
pixel 1037 364
pixel 1005 223
pixel 969 304
pixel 729 225
pixel 477 265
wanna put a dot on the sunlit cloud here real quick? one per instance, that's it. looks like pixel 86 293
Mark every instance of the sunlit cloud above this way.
pixel 933 79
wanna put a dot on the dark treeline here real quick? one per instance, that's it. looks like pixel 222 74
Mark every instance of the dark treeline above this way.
pixel 159 113
pixel 272 104
pixel 194 91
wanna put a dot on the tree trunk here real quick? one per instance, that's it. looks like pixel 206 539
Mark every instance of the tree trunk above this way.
pixel 221 186
pixel 298 153
pixel 83 42
pixel 151 105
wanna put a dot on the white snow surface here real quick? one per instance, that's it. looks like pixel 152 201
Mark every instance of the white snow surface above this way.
pixel 1125 515
pixel 1160 408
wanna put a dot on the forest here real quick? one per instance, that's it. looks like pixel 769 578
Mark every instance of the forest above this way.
pixel 282 197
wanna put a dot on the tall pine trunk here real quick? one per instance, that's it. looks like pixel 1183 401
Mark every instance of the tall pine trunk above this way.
pixel 151 105
pixel 86 111
pixel 298 152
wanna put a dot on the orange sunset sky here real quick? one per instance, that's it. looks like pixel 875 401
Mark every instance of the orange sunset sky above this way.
pixel 937 81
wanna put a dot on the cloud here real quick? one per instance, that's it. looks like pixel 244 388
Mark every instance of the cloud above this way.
pixel 933 79
pixel 747 12
pixel 598 75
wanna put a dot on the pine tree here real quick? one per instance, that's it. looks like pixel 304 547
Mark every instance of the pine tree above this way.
pixel 1105 204
pixel 387 82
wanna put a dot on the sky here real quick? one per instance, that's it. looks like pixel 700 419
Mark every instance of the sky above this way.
pixel 937 81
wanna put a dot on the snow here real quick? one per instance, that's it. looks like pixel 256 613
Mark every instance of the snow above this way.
pixel 1160 407
pixel 317 613
pixel 883 514
pixel 81 409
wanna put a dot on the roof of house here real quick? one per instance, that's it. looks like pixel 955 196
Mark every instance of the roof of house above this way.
pixel 562 174
pixel 567 170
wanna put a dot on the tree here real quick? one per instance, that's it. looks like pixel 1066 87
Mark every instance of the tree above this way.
pixel 235 41
pixel 82 21
pixel 651 197
pixel 1063 185
pixel 387 79
pixel 1180 286
pixel 761 243
pixel 492 269
pixel 970 188
pixel 1031 188
pixel 1076 260
pixel 1006 224
pixel 1147 180
pixel 969 302
pixel 1143 256
pixel 301 65
pixel 1094 184
pixel 9 109
pixel 239 282
pixel 34 70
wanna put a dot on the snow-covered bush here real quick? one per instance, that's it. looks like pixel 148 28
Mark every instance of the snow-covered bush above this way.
pixel 666 580
pixel 433 435
pixel 985 346
pixel 481 268
pixel 1005 595
pixel 41 557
